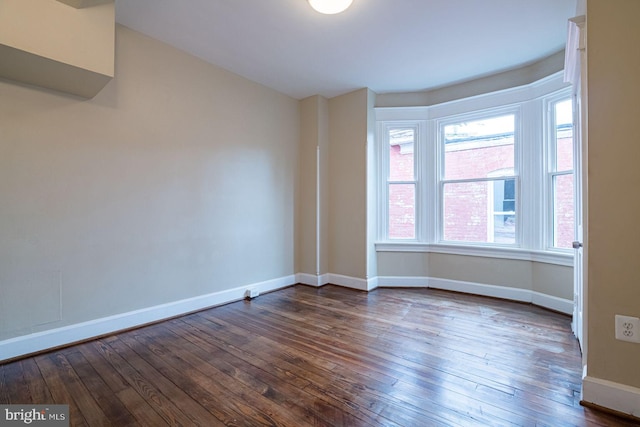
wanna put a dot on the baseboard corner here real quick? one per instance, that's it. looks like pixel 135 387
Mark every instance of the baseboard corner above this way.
pixel 610 395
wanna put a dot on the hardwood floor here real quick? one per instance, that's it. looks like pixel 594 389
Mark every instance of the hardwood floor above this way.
pixel 323 357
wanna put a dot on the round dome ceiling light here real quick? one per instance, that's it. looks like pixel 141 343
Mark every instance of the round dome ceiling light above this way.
pixel 330 7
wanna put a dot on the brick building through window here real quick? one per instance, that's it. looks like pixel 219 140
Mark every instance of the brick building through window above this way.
pixel 480 192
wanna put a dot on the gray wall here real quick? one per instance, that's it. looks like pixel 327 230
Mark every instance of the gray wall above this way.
pixel 176 180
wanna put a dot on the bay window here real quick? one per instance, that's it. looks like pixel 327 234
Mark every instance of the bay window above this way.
pixel 491 175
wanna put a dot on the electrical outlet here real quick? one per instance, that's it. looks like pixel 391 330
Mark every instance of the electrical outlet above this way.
pixel 627 328
pixel 251 293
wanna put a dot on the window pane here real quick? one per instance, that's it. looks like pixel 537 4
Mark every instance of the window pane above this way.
pixel 402 211
pixel 504 229
pixel 401 144
pixel 563 211
pixel 465 211
pixel 564 135
pixel 474 149
pixel 504 211
pixel 480 212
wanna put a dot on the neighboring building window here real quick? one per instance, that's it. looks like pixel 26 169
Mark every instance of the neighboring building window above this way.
pixel 479 185
pixel 561 174
pixel 401 183
pixel 502 209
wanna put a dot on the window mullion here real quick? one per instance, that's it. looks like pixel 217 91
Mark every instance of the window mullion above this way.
pixel 491 178
pixel 429 163
pixel 402 182
pixel 383 190
pixel 532 190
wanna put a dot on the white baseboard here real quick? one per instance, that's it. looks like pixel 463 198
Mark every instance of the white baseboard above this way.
pixel 340 280
pixel 611 395
pixel 33 343
pixel 337 279
pixel 403 282
pixel 505 292
pixel 353 282
pixel 552 303
pixel 312 279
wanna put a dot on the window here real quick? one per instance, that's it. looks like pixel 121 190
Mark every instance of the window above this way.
pixel 401 182
pixel 478 195
pixel 560 176
pixel 490 175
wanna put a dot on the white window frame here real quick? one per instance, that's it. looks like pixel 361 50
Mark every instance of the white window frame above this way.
pixel 550 170
pixel 531 166
pixel 514 110
pixel 419 153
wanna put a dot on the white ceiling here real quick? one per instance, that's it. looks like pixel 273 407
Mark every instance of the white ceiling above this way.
pixel 385 45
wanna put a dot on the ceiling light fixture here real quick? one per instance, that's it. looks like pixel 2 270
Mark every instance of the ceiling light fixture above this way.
pixel 330 7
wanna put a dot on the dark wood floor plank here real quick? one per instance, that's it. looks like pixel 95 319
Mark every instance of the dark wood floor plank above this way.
pixel 14 383
pixel 137 406
pixel 240 380
pixel 512 416
pixel 290 366
pixel 140 409
pixel 4 388
pixel 98 355
pixel 367 388
pixel 205 355
pixel 464 360
pixel 355 383
pixel 163 396
pixel 143 386
pixel 326 356
pixel 113 409
pixel 417 332
pixel 362 363
pixel 213 343
pixel 83 398
pixel 321 383
pixel 208 391
pixel 54 377
pixel 35 383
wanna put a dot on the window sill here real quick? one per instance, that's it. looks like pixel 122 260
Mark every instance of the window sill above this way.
pixel 547 257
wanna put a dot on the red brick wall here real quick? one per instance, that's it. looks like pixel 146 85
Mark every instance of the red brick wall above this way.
pixel 402 201
pixel 402 211
pixel 466 210
pixel 474 162
pixel 565 214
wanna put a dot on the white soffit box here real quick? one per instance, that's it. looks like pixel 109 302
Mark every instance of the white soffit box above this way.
pixel 79 4
pixel 46 43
